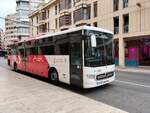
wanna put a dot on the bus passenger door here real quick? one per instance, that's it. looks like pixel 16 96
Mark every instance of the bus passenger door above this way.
pixel 76 77
pixel 21 60
pixel 27 53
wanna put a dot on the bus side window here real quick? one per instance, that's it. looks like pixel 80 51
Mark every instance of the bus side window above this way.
pixel 46 50
pixel 21 52
pixel 64 49
pixel 34 51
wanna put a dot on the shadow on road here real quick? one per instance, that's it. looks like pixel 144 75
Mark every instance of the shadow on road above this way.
pixel 70 87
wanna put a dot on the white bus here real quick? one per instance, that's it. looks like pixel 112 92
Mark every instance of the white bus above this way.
pixel 82 56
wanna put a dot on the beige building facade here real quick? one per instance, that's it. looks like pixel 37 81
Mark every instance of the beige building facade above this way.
pixel 2 34
pixel 128 19
pixel 10 29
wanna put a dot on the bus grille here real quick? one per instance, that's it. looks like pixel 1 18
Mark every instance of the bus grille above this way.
pixel 104 76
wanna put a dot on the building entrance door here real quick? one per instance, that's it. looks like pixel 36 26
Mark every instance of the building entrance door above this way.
pixel 145 53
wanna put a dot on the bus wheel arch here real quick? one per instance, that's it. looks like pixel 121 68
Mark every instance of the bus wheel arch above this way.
pixel 53 76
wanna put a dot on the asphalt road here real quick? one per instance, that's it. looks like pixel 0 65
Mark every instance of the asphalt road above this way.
pixel 129 92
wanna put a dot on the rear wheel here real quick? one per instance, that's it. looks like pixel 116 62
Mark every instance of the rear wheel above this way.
pixel 8 62
pixel 15 67
pixel 53 76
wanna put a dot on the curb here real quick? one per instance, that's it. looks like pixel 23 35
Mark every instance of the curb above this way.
pixel 132 70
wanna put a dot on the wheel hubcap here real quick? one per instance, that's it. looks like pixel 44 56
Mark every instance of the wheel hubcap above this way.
pixel 54 76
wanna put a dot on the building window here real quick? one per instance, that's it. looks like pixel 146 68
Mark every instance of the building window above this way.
pixel 116 25
pixel 48 28
pixel 37 30
pixel 116 5
pixel 43 28
pixel 125 3
pixel 47 13
pixel 56 23
pixel 95 24
pixel 43 15
pixel 75 1
pixel 37 19
pixel 65 20
pixel 95 9
pixel 31 23
pixel 83 13
pixel 126 23
pixel 64 4
pixel 56 10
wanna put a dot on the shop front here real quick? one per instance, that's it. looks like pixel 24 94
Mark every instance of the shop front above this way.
pixel 137 52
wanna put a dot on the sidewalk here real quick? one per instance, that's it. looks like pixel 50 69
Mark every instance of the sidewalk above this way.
pixel 23 94
pixel 143 70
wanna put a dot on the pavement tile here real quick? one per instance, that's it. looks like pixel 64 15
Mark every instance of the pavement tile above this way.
pixel 23 94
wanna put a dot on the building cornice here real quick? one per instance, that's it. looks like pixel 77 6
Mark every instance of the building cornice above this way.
pixel 42 7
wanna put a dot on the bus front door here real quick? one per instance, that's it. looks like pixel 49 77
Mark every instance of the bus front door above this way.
pixel 76 77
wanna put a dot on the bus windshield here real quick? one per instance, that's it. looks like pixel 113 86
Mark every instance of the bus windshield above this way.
pixel 102 53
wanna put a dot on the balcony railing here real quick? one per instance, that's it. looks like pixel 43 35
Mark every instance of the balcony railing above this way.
pixel 126 28
pixel 65 20
pixel 116 30
pixel 79 2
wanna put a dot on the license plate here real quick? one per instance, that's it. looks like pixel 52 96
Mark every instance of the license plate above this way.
pixel 102 82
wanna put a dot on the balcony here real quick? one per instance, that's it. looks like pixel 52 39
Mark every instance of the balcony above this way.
pixel 43 28
pixel 22 8
pixel 116 30
pixel 64 27
pixel 64 5
pixel 41 22
pixel 64 11
pixel 14 39
pixel 80 3
pixel 65 21
pixel 80 17
pixel 81 22
pixel 42 19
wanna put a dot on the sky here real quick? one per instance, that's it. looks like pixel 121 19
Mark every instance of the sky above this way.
pixel 7 7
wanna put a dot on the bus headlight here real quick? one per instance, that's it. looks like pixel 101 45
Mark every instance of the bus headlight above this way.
pixel 90 76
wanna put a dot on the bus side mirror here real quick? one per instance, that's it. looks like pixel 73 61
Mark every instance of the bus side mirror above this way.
pixel 93 40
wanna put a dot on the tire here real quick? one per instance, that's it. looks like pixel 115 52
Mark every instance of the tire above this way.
pixel 15 67
pixel 9 62
pixel 53 76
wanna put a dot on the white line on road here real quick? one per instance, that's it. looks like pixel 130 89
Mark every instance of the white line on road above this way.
pixel 132 83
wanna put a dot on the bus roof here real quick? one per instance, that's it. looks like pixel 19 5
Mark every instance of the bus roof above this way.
pixel 75 29
pixel 69 31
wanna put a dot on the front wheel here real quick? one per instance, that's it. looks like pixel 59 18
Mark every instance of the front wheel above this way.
pixel 53 76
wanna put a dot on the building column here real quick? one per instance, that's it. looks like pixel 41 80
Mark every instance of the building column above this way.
pixel 121 52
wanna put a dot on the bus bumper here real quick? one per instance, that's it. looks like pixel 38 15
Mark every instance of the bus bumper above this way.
pixel 95 83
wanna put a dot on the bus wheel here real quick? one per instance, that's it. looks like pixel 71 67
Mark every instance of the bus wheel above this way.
pixel 53 76
pixel 9 62
pixel 15 67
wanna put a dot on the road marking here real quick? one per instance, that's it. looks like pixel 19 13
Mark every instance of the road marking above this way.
pixel 132 83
